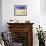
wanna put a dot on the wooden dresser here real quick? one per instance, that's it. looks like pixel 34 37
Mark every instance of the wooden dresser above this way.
pixel 22 33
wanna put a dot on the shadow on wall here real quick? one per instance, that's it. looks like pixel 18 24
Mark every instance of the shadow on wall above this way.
pixel 43 6
pixel 0 15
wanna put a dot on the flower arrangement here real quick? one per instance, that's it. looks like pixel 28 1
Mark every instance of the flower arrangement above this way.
pixel 40 34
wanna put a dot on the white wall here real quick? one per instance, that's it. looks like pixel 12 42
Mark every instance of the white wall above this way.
pixel 0 15
pixel 43 14
pixel 43 6
pixel 34 14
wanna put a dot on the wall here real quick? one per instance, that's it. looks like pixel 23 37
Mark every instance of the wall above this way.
pixel 0 15
pixel 43 6
pixel 34 14
pixel 43 14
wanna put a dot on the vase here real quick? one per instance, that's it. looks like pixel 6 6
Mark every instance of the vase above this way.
pixel 41 43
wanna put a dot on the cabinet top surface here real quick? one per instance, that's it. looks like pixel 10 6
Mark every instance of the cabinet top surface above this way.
pixel 19 23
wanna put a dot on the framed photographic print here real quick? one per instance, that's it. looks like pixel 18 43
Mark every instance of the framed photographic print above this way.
pixel 20 10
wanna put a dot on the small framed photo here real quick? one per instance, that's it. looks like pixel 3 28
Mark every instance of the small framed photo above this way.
pixel 20 10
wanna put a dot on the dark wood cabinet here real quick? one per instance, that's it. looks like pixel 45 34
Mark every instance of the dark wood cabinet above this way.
pixel 22 33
